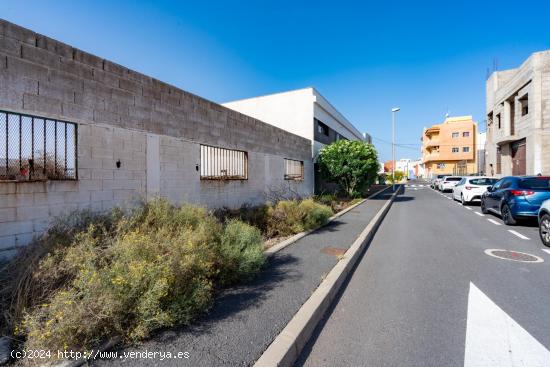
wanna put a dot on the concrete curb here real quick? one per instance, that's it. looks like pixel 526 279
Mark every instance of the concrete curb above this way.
pixel 288 345
pixel 289 241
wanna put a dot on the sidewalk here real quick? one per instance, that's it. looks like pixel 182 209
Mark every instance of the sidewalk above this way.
pixel 244 320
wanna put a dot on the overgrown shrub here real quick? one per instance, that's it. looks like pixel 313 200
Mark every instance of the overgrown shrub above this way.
pixel 152 267
pixel 289 217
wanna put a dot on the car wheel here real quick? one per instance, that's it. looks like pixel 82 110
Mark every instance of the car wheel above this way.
pixel 483 207
pixel 507 216
pixel 544 230
pixel 464 202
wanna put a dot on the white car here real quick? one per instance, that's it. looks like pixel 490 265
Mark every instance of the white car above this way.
pixel 447 183
pixel 471 188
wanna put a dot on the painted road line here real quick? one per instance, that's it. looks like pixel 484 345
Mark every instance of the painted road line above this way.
pixel 546 250
pixel 468 208
pixel 494 222
pixel 493 338
pixel 518 234
pixel 480 214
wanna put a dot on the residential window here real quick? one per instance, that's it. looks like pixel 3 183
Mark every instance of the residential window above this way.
pixel 37 148
pixel 465 149
pixel 294 170
pixel 223 164
pixel 441 165
pixel 322 128
pixel 524 103
pixel 498 120
pixel 455 135
pixel 465 134
pixel 455 150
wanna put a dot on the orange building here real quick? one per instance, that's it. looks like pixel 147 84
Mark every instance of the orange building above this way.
pixel 450 147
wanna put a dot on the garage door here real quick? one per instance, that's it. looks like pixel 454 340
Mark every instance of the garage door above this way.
pixel 518 158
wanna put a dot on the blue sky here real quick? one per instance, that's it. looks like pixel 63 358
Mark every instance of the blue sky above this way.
pixel 426 57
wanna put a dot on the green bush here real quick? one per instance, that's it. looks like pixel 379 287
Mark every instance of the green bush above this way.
pixel 155 266
pixel 289 217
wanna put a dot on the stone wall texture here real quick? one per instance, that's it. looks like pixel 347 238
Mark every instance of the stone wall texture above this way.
pixel 116 109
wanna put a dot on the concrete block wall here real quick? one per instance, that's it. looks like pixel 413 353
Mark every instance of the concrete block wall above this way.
pixel 118 111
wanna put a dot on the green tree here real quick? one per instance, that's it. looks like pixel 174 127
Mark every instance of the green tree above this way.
pixel 353 165
pixel 398 176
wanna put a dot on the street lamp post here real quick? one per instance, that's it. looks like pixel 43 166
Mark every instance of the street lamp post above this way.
pixel 393 112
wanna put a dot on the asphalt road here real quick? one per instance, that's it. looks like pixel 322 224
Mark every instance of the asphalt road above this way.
pixel 426 294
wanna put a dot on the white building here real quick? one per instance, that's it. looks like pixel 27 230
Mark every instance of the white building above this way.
pixel 304 112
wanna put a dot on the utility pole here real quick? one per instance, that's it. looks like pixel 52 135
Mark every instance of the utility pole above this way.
pixel 393 111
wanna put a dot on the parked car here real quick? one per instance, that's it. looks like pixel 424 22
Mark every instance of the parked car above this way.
pixel 515 197
pixel 544 222
pixel 436 180
pixel 471 188
pixel 448 182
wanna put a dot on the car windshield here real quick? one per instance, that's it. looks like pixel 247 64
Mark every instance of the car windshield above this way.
pixel 453 179
pixel 440 176
pixel 483 181
pixel 541 183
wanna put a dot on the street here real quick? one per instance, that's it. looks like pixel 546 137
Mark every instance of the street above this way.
pixel 427 294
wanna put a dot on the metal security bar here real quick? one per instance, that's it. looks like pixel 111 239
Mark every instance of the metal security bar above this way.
pixel 35 148
pixel 223 164
pixel 294 170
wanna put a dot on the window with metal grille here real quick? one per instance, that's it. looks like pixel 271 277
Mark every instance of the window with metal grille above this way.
pixel 455 150
pixel 223 164
pixel 36 148
pixel 294 170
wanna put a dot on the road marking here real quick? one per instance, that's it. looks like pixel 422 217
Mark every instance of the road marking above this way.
pixel 481 215
pixel 467 207
pixel 494 339
pixel 494 222
pixel 546 250
pixel 518 234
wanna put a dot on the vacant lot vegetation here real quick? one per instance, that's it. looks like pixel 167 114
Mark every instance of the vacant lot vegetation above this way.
pixel 124 273
pixel 129 272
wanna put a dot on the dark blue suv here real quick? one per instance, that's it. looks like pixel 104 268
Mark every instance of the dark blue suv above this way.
pixel 516 197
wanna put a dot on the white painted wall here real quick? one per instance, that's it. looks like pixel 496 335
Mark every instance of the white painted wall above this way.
pixel 291 111
pixel 294 111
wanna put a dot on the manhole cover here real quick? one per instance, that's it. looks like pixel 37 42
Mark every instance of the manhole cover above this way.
pixel 334 251
pixel 514 256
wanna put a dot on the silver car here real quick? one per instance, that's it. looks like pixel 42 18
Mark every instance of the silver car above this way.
pixel 544 222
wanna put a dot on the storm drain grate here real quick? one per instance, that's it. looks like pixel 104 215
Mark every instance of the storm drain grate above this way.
pixel 514 256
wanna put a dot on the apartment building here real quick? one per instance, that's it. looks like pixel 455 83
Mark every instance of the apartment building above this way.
pixel 518 119
pixel 450 147
pixel 78 131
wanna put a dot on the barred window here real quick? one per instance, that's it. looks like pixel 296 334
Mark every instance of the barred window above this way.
pixel 294 170
pixel 223 164
pixel 36 148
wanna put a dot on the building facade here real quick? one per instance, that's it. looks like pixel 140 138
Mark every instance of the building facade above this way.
pixel 450 147
pixel 78 131
pixel 518 119
pixel 304 112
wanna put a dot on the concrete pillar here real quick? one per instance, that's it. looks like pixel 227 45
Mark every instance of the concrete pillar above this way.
pixel 153 166
pixel 507 118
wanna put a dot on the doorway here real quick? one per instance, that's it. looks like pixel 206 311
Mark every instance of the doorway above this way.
pixel 519 154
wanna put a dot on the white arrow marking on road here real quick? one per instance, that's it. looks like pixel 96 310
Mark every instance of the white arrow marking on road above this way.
pixel 518 234
pixel 546 250
pixel 494 339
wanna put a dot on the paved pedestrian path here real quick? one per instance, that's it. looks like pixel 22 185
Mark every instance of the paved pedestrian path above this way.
pixel 244 320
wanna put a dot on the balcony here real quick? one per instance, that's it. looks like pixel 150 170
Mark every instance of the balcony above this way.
pixel 431 157
pixel 431 144
pixel 432 130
